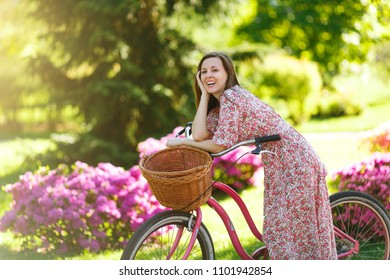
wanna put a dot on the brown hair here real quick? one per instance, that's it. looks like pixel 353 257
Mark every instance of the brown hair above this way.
pixel 230 82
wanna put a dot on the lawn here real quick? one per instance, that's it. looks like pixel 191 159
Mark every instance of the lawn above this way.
pixel 336 141
pixel 336 150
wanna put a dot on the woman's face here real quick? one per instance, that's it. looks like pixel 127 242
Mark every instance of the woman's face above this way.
pixel 213 76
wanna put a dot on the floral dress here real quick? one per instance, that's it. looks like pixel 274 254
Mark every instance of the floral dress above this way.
pixel 297 217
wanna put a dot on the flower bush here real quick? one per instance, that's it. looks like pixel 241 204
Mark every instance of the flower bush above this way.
pixel 77 208
pixel 371 176
pixel 246 172
pixel 378 139
pixel 70 209
pixel 152 145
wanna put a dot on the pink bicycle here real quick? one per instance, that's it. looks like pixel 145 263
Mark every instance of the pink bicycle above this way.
pixel 361 225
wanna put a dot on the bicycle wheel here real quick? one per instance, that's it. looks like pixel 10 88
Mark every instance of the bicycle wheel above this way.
pixel 363 219
pixel 159 239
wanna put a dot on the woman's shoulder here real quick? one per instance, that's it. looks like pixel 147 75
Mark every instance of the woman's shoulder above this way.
pixel 236 94
pixel 235 90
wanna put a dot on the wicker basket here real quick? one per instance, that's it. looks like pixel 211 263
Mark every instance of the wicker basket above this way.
pixel 179 177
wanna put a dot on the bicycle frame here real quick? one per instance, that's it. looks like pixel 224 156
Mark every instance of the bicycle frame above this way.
pixel 194 234
pixel 232 232
pixel 227 222
pixel 236 197
pixel 342 235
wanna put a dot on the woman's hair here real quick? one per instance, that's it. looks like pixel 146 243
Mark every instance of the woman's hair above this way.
pixel 230 82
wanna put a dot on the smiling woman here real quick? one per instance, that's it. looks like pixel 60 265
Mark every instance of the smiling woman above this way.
pixel 295 186
pixel 215 74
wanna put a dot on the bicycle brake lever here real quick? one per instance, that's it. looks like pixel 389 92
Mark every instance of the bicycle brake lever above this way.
pixel 180 132
pixel 265 151
pixel 257 151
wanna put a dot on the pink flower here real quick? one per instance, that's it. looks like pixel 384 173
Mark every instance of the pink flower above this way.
pixel 8 220
pixel 75 201
pixel 94 245
pixel 45 202
pixel 55 214
pixel 21 225
pixel 377 139
pixel 371 176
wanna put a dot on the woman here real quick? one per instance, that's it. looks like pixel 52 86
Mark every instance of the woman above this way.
pixel 297 218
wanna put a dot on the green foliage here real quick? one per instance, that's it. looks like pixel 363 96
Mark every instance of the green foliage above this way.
pixel 17 91
pixel 85 147
pixel 287 84
pixel 332 33
pixel 121 63
pixel 382 60
pixel 335 104
pixel 72 208
pixel 11 91
pixel 125 67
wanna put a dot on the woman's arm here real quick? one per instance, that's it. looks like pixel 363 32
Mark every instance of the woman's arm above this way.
pixel 199 129
pixel 206 145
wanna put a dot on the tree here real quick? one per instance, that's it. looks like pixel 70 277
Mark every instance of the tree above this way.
pixel 14 85
pixel 382 61
pixel 122 63
pixel 332 33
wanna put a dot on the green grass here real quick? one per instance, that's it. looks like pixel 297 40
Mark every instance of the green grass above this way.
pixel 13 153
pixel 371 117
pixel 337 149
pixel 372 93
pixel 253 198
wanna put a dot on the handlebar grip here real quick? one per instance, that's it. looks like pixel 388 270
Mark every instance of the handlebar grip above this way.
pixel 269 138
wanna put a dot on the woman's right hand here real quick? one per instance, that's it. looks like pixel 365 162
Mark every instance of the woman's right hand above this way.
pixel 200 84
pixel 199 127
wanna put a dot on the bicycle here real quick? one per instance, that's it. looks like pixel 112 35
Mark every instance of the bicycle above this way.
pixel 361 226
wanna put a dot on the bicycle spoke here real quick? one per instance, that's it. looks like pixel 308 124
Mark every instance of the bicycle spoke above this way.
pixel 342 227
pixel 363 219
pixel 168 242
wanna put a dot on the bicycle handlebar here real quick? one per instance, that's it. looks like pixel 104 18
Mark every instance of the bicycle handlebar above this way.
pixel 256 141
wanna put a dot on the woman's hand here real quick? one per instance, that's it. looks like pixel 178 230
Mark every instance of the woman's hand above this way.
pixel 199 128
pixel 202 88
pixel 206 145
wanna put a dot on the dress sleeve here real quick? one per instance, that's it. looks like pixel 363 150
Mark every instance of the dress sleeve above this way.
pixel 212 121
pixel 226 133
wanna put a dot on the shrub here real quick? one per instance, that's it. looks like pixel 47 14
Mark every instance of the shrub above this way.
pixel 286 83
pixel 67 210
pixel 378 139
pixel 335 104
pixel 371 176
pixel 152 145
pixel 246 172
pixel 71 209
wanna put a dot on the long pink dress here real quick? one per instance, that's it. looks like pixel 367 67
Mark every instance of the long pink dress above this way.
pixel 297 218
